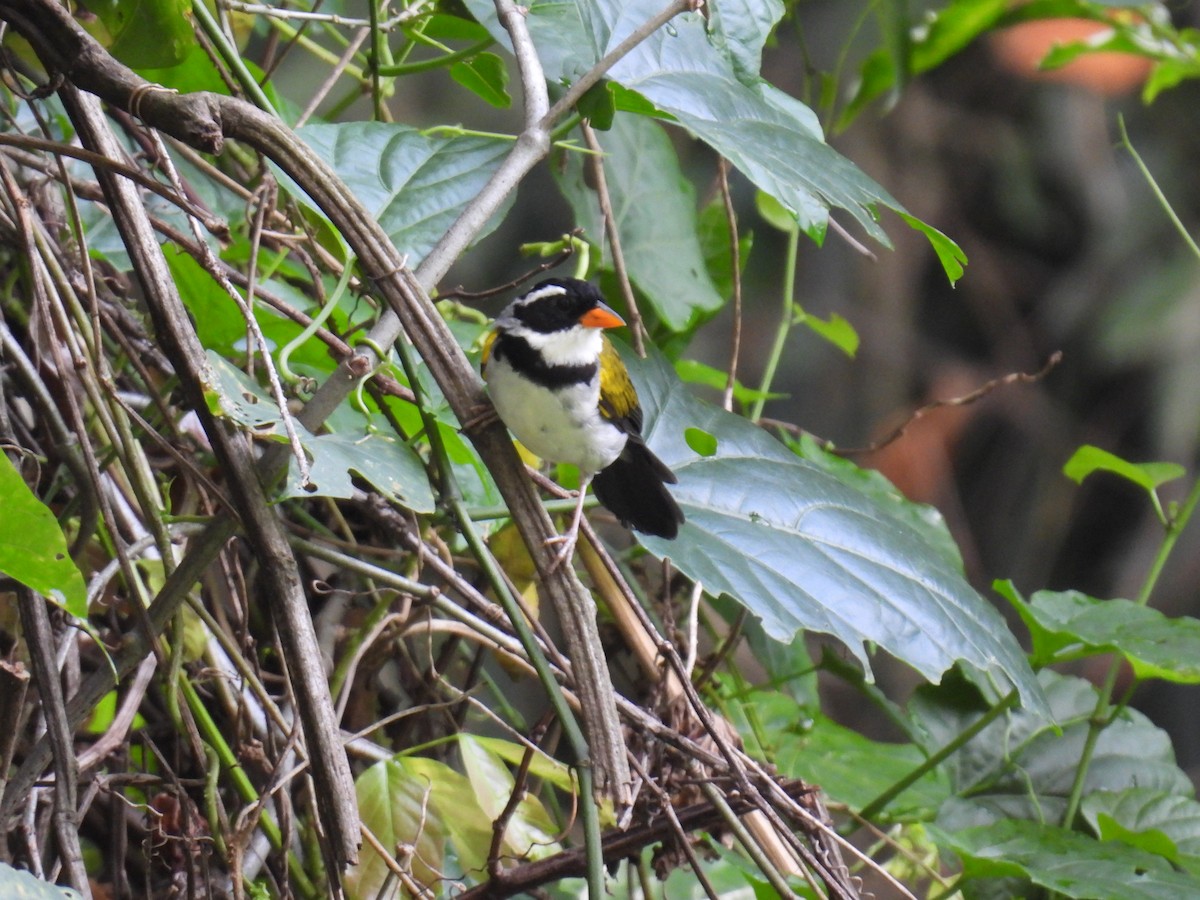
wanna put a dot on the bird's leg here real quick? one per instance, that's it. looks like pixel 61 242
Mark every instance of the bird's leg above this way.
pixel 567 539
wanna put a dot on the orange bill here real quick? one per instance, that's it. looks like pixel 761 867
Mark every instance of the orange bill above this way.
pixel 601 317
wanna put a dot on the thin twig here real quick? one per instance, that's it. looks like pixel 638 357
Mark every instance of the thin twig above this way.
pixel 334 74
pixel 735 262
pixel 460 293
pixel 964 400
pixel 637 328
pixel 39 639
pixel 14 682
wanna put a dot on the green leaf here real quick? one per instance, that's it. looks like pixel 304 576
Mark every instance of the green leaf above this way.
pixel 949 254
pixel 446 27
pixel 33 548
pixel 695 372
pixel 920 517
pixel 220 324
pixel 716 245
pixel 802 550
pixel 940 34
pixel 147 33
pixel 1069 625
pixel 462 815
pixel 740 28
pixel 1088 459
pixel 17 884
pixel 414 184
pixel 598 106
pixel 774 213
pixel 542 767
pixel 531 832
pixel 773 139
pixel 1069 863
pixel 836 330
pixel 1024 764
pixel 654 208
pixel 395 801
pixel 1167 74
pixel 390 466
pixel 1161 823
pixel 701 441
pixel 853 769
pixel 486 76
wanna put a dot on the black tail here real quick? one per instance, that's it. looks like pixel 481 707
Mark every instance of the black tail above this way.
pixel 634 490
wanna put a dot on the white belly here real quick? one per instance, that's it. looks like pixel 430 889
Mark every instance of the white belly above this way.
pixel 540 420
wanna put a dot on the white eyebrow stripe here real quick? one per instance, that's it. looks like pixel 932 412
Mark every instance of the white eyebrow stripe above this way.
pixel 550 290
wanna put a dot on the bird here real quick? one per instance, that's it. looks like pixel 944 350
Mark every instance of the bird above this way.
pixel 560 387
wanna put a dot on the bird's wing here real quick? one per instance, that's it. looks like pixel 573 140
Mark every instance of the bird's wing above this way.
pixel 618 399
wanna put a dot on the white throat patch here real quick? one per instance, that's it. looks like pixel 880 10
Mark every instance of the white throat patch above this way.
pixel 574 347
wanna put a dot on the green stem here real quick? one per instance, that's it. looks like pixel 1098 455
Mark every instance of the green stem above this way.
pixel 880 803
pixel 381 58
pixel 554 507
pixel 1158 194
pixel 1174 527
pixel 310 329
pixel 446 59
pixel 589 813
pixel 1102 715
pixel 232 59
pixel 785 324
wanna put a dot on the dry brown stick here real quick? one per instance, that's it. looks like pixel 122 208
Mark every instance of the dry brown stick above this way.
pixel 14 681
pixel 501 822
pixel 39 639
pixel 964 400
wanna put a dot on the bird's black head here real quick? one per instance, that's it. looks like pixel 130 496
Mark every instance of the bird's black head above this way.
pixel 559 304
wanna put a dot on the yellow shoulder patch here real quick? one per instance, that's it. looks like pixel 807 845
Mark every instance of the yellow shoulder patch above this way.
pixel 487 350
pixel 618 399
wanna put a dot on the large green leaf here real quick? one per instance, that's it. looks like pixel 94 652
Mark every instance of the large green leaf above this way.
pixel 1162 823
pixel 803 550
pixel 144 33
pixel 923 518
pixel 853 769
pixel 415 184
pixel 654 207
pixel 33 549
pixel 1069 863
pixel 1069 625
pixel 531 832
pixel 740 28
pixel 702 82
pixel 1024 764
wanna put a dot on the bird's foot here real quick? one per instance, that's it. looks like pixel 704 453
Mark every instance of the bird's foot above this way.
pixel 566 548
pixel 482 415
